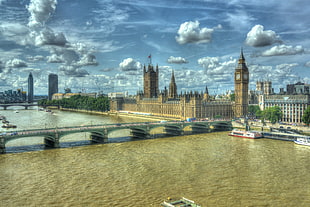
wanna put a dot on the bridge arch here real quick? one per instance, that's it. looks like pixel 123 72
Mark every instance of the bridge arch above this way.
pixel 114 133
pixel 24 141
pixel 100 133
pixel 82 136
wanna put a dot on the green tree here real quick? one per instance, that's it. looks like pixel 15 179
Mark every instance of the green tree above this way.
pixel 232 97
pixel 306 117
pixel 259 114
pixel 253 109
pixel 80 102
pixel 273 114
pixel 217 116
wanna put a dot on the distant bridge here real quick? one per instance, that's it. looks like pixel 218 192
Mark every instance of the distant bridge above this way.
pixel 100 133
pixel 25 105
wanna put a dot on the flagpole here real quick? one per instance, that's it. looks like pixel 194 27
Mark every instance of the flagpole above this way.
pixel 150 57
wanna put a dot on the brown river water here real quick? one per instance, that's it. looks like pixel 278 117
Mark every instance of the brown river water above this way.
pixel 211 169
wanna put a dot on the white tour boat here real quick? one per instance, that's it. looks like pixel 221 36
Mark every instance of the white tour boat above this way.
pixel 245 134
pixel 180 203
pixel 303 141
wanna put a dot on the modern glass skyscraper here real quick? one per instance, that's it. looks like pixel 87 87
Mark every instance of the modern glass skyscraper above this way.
pixel 30 88
pixel 52 85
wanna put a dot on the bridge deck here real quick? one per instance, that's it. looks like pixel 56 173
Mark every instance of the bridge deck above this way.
pixel 99 133
pixel 108 127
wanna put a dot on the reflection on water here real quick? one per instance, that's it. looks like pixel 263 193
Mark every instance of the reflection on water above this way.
pixel 212 169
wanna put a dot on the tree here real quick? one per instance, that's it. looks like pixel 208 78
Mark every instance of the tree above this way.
pixel 217 116
pixel 253 110
pixel 273 114
pixel 232 97
pixel 259 114
pixel 79 102
pixel 306 117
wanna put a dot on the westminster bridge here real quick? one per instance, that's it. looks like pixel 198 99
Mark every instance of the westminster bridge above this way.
pixel 25 105
pixel 100 133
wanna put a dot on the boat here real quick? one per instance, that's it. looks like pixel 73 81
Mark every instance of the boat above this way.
pixel 245 134
pixel 303 141
pixel 180 203
pixel 8 125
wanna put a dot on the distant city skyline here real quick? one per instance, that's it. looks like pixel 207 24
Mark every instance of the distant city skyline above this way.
pixel 102 45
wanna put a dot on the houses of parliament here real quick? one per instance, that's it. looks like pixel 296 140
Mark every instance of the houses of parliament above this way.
pixel 168 103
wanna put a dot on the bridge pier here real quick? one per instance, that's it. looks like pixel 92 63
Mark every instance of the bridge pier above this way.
pixel 2 145
pixel 198 128
pixel 99 137
pixel 142 133
pixel 52 141
pixel 174 130
pixel 219 126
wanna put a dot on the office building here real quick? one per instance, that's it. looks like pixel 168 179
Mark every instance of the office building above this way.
pixel 52 85
pixel 30 88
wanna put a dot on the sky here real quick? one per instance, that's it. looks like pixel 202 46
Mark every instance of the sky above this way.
pixel 102 45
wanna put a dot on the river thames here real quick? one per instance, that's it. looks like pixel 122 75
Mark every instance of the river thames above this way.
pixel 212 169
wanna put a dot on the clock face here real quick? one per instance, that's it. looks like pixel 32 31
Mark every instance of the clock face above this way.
pixel 245 76
pixel 238 76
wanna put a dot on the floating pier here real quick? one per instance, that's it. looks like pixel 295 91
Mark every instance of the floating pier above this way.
pixel 281 136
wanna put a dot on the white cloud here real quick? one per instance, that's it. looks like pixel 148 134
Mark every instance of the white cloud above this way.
pixel 40 11
pixel 217 73
pixel 48 37
pixel 307 64
pixel 14 32
pixel 130 64
pixel 279 75
pixel 74 55
pixel 283 50
pixel 71 70
pixel 257 37
pixel 176 60
pixel 209 62
pixel 55 59
pixel 16 63
pixel 87 59
pixel 190 32
pixel 35 58
pixel 239 20
pixel 1 66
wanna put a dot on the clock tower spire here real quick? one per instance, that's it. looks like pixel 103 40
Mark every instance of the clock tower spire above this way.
pixel 241 87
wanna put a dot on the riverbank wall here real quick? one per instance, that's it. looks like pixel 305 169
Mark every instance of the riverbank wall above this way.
pixel 120 114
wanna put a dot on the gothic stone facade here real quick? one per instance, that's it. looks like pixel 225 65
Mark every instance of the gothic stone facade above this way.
pixel 185 106
pixel 241 88
pixel 188 105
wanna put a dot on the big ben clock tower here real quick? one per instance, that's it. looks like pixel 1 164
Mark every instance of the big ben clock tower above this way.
pixel 241 87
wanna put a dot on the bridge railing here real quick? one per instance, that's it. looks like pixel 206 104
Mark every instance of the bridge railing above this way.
pixel 39 131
